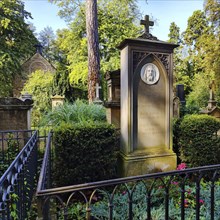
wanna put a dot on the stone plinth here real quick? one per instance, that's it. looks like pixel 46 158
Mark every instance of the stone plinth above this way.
pixel 212 109
pixel 57 100
pixel 215 112
pixel 113 113
pixel 15 113
pixel 146 106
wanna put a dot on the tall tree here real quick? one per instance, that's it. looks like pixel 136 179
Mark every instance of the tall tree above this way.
pixel 201 62
pixel 212 11
pixel 16 42
pixel 182 66
pixel 46 38
pixel 118 22
pixel 92 39
pixel 174 34
pixel 93 47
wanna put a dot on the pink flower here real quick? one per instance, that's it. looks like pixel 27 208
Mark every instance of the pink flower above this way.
pixel 174 183
pixel 181 166
pixel 189 191
pixel 186 203
pixel 124 192
pixel 201 201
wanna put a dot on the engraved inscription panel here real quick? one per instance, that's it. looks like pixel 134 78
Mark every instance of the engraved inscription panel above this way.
pixel 152 114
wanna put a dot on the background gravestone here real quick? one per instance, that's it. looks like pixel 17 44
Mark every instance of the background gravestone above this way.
pixel 15 113
pixel 113 103
pixel 57 100
pixel 146 105
pixel 212 109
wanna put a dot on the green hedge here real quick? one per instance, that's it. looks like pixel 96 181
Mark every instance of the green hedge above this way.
pixel 176 138
pixel 198 140
pixel 85 153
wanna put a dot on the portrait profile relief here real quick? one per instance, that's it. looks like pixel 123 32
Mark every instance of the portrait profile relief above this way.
pixel 150 73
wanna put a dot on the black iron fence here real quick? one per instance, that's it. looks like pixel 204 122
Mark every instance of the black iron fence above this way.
pixel 182 194
pixel 11 142
pixel 17 182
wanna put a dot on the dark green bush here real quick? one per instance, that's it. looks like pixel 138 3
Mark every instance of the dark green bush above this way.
pixel 176 137
pixel 198 139
pixel 85 153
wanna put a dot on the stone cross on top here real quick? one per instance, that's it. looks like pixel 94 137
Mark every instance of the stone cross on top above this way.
pixel 147 23
pixel 97 87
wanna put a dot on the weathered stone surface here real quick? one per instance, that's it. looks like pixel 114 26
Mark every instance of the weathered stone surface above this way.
pixel 57 100
pixel 176 107
pixel 15 114
pixel 114 94
pixel 146 107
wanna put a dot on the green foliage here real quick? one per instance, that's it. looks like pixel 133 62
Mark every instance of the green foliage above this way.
pixel 198 57
pixel 47 38
pixel 121 197
pixel 116 22
pixel 198 140
pixel 13 206
pixel 176 137
pixel 78 112
pixel 16 42
pixel 61 85
pixel 85 153
pixel 199 97
pixel 8 154
pixel 174 35
pixel 39 85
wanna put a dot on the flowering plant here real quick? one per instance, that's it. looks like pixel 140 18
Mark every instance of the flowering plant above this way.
pixel 181 166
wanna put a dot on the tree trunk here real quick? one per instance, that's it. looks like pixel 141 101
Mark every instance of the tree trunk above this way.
pixel 93 47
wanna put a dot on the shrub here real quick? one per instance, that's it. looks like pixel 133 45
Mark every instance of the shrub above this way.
pixel 39 85
pixel 199 142
pixel 84 153
pixel 176 137
pixel 78 112
pixel 139 192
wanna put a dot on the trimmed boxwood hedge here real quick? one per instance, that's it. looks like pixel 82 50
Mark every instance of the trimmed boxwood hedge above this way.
pixel 85 153
pixel 198 140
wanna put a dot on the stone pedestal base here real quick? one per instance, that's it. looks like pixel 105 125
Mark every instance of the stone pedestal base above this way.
pixel 113 113
pixel 133 165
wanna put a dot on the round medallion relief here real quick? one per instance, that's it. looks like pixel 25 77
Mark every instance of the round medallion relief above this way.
pixel 150 73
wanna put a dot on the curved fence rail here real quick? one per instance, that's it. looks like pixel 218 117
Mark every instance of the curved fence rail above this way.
pixel 16 184
pixel 183 194
pixel 11 142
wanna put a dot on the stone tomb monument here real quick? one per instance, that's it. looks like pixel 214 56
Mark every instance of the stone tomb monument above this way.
pixel 146 105
pixel 15 113
pixel 212 109
pixel 113 103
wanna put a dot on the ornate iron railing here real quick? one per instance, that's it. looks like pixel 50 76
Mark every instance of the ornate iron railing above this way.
pixel 16 184
pixel 11 142
pixel 184 194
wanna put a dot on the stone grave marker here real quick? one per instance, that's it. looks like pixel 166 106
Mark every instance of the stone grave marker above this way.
pixel 146 105
pixel 15 113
